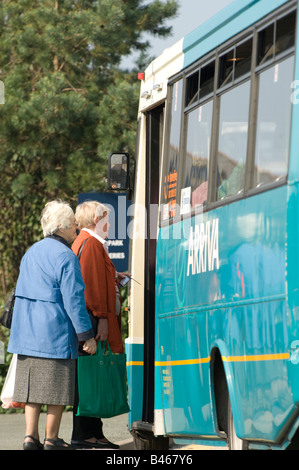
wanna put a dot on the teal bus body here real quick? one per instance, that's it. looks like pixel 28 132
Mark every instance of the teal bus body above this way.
pixel 227 280
pixel 240 308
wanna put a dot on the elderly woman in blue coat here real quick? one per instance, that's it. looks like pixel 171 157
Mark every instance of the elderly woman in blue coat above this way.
pixel 49 321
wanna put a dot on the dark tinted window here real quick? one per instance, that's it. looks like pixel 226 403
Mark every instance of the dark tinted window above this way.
pixel 285 33
pixel 207 80
pixel 192 93
pixel 276 38
pixel 243 59
pixel 235 63
pixel 266 45
pixel 226 68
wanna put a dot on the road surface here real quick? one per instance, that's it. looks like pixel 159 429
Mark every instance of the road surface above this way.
pixel 12 432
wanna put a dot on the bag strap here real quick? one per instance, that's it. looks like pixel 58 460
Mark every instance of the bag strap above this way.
pixel 101 349
pixel 81 248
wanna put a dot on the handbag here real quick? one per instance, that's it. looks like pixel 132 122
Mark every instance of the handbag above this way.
pixel 6 317
pixel 102 384
pixel 9 386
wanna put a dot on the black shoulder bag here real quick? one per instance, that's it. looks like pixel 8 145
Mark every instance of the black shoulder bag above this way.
pixel 6 317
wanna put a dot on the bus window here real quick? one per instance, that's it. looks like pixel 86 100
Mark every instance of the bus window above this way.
pixel 200 84
pixel 243 59
pixel 273 123
pixel 235 63
pixel 170 173
pixel 276 38
pixel 232 147
pixel 226 68
pixel 285 33
pixel 192 89
pixel 265 44
pixel 207 80
pixel 197 153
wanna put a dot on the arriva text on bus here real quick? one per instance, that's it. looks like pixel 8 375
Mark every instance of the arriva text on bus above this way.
pixel 203 252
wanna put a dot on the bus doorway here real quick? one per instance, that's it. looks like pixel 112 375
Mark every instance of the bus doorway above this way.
pixel 154 131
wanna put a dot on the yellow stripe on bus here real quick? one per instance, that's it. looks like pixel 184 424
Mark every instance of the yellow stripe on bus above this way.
pixel 135 363
pixel 262 357
pixel 183 362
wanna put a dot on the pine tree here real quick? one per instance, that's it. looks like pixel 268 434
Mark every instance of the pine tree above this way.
pixel 67 104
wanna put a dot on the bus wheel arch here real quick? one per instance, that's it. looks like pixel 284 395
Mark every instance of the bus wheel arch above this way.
pixel 224 399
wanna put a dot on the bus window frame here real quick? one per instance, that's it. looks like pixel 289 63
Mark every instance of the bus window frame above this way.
pixel 274 18
pixel 262 187
pixel 235 81
pixel 166 139
pixel 195 102
pixel 253 76
pixel 219 96
pixel 207 99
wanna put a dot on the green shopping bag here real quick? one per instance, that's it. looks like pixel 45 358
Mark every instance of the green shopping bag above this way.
pixel 102 384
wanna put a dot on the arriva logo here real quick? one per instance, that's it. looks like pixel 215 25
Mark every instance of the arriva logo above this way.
pixel 203 254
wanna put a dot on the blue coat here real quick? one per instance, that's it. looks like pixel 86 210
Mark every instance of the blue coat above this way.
pixel 50 315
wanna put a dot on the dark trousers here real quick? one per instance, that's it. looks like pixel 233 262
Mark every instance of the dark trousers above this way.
pixel 84 427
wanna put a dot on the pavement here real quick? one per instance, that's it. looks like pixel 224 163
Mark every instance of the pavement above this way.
pixel 12 430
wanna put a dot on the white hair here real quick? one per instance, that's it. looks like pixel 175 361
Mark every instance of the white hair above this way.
pixel 56 215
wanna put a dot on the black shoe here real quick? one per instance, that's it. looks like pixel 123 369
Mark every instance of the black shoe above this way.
pixel 34 445
pixel 57 444
pixel 94 445
pixel 107 444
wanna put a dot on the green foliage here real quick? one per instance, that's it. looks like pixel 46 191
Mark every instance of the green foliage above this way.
pixel 67 106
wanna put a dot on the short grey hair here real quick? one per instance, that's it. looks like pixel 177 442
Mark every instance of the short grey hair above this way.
pixel 85 214
pixel 56 215
pixel 87 211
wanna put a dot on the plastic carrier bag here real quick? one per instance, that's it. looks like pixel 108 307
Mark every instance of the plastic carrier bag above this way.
pixel 9 386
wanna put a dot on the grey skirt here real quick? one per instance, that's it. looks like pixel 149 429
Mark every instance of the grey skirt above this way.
pixel 45 381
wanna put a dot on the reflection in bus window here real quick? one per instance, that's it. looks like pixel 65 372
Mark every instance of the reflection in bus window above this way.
pixel 243 59
pixel 273 123
pixel 232 147
pixel 207 79
pixel 235 63
pixel 192 93
pixel 277 38
pixel 285 33
pixel 265 45
pixel 170 177
pixel 226 68
pixel 197 153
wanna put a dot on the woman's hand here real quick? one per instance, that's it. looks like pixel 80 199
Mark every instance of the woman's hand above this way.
pixel 121 276
pixel 90 346
pixel 102 333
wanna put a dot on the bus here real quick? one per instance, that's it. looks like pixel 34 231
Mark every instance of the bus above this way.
pixel 213 344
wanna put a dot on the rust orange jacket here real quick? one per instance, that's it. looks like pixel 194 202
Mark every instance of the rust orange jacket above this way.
pixel 98 273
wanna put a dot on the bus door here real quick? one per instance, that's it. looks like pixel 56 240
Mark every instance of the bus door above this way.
pixel 154 131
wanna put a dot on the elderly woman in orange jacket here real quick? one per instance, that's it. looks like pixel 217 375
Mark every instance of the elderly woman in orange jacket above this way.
pixel 102 302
